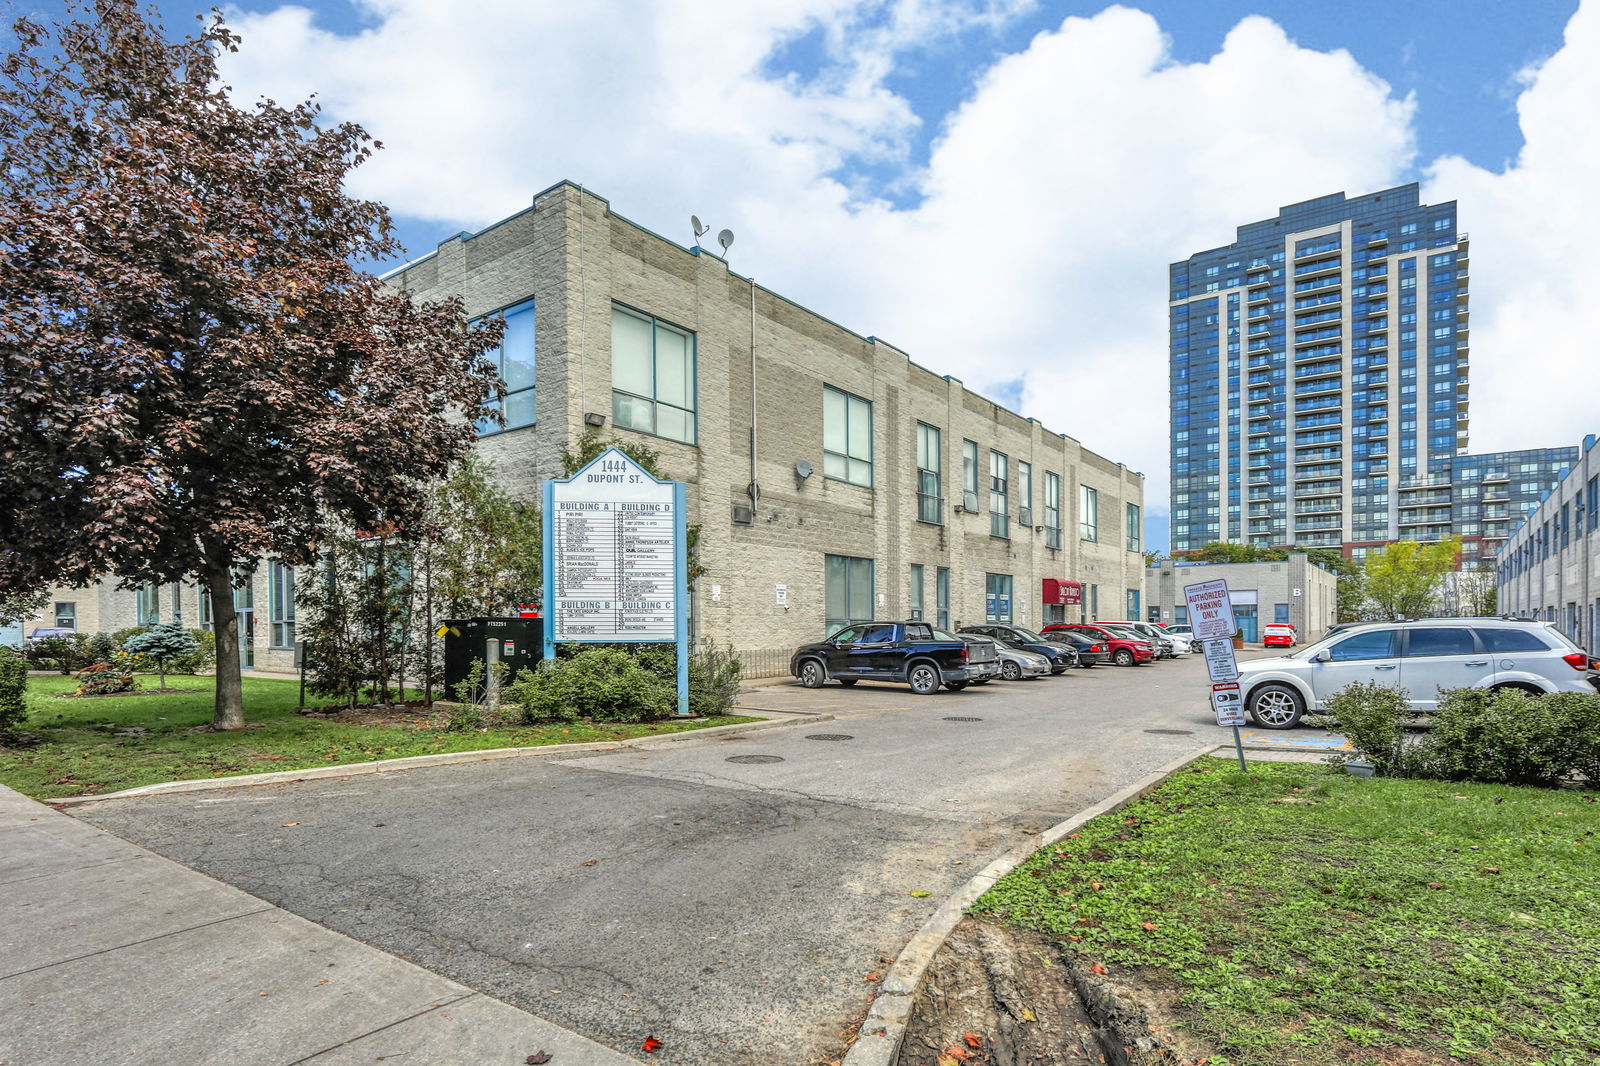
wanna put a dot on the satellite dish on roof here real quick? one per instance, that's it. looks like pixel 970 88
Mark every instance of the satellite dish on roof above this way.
pixel 700 228
pixel 725 238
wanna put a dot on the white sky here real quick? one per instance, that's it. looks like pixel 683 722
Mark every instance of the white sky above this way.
pixel 1031 250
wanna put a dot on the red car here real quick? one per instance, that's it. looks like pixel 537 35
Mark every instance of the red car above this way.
pixel 1278 633
pixel 1126 650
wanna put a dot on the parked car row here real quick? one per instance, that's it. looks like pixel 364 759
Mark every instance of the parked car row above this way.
pixel 927 658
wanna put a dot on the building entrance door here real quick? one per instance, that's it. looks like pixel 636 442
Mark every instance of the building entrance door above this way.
pixel 247 638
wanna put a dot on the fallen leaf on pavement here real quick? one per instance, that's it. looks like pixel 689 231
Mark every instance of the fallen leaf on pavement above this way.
pixel 920 893
pixel 1031 832
pixel 873 976
pixel 538 1058
pixel 650 1044
pixel 591 862
pixel 286 825
pixel 1028 1015
pixel 972 1039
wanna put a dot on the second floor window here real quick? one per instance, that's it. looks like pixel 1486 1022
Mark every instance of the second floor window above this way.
pixel 514 360
pixel 1025 493
pixel 1088 513
pixel 846 436
pixel 999 495
pixel 930 487
pixel 1135 530
pixel 969 475
pixel 1052 510
pixel 652 376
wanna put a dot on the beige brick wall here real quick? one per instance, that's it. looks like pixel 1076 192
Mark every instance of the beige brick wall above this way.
pixel 576 258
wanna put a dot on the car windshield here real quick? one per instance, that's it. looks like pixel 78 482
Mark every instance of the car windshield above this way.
pixel 1027 636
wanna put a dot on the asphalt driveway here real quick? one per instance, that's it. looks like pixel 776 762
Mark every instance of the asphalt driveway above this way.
pixel 734 910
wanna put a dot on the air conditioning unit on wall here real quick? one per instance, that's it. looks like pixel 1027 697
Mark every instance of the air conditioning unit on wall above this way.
pixel 742 515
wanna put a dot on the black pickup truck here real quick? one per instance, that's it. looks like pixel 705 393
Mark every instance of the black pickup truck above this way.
pixel 894 651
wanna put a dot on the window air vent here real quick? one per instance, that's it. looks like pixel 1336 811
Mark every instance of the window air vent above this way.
pixel 742 515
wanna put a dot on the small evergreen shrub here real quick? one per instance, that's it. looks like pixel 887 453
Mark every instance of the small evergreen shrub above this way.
pixel 714 678
pixel 1516 738
pixel 1373 718
pixel 602 684
pixel 104 679
pixel 161 644
pixel 13 687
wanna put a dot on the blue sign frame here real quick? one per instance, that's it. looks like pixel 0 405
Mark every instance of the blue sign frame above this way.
pixel 680 555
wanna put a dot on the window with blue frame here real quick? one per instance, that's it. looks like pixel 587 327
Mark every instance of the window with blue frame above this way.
pixel 846 436
pixel 514 360
pixel 652 376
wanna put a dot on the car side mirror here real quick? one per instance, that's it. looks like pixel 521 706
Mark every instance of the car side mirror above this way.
pixel 1320 657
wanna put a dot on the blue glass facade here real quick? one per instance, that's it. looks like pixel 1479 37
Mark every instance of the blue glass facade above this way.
pixel 1318 365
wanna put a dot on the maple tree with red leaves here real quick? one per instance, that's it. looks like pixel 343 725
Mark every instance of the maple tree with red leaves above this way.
pixel 195 372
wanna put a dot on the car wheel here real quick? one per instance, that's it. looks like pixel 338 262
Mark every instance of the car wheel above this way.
pixel 955 686
pixel 1276 707
pixel 1124 657
pixel 812 675
pixel 848 681
pixel 1010 671
pixel 924 679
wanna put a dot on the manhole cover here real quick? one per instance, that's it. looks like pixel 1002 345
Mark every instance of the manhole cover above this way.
pixel 754 758
pixel 830 736
pixel 1172 732
pixel 960 719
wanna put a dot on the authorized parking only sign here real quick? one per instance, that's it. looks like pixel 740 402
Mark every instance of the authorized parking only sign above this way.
pixel 1210 609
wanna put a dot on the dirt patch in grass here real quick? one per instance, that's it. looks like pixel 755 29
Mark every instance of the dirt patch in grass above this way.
pixel 125 695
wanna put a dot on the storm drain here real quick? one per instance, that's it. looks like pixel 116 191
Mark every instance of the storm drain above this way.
pixel 960 719
pixel 830 736
pixel 1172 732
pixel 754 758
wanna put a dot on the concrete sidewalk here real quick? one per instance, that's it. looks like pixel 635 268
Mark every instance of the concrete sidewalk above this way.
pixel 113 955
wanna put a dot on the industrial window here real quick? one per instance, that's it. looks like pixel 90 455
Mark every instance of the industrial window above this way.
pixel 280 584
pixel 849 590
pixel 148 611
pixel 1132 605
pixel 652 376
pixel 1025 493
pixel 67 615
pixel 1088 513
pixel 930 476
pixel 969 476
pixel 846 436
pixel 915 613
pixel 999 494
pixel 514 362
pixel 1135 532
pixel 1052 510
pixel 1280 613
pixel 997 598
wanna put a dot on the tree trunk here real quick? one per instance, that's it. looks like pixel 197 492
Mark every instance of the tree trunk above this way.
pixel 228 711
pixel 427 624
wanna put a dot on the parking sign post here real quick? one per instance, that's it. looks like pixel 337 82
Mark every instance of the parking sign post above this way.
pixel 1211 616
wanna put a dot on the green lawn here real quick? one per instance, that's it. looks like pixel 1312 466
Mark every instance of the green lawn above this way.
pixel 1313 918
pixel 86 749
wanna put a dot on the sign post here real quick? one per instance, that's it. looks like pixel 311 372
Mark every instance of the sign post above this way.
pixel 1211 615
pixel 615 560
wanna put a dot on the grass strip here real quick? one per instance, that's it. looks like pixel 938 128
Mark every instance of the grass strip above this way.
pixel 1306 917
pixel 109 743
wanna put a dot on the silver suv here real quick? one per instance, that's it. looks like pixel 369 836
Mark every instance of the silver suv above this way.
pixel 1422 657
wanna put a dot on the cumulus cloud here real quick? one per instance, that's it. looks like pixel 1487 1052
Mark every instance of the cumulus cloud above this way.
pixel 1535 318
pixel 1028 249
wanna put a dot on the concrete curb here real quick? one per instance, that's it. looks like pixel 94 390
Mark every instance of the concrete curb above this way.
pixel 885 1024
pixel 416 762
